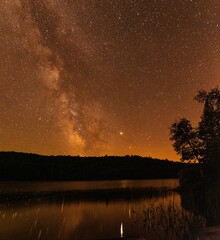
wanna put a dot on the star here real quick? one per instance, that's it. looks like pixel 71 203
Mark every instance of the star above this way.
pixel 73 74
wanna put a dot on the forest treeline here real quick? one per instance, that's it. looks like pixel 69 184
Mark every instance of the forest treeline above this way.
pixel 26 167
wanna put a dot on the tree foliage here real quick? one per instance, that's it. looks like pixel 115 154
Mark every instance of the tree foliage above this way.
pixel 185 140
pixel 201 143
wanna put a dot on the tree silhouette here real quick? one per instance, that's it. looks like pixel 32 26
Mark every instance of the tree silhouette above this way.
pixel 202 143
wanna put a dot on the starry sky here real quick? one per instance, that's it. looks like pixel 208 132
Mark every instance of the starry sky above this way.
pixel 96 77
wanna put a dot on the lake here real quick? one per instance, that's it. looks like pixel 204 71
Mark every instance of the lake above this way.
pixel 56 210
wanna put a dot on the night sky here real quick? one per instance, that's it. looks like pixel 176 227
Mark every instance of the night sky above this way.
pixel 96 77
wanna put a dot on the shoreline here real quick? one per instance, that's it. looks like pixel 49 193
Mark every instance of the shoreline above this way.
pixel 88 195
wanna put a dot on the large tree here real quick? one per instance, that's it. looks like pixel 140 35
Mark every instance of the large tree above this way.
pixel 201 143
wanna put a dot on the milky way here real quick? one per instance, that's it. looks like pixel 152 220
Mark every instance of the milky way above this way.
pixel 96 77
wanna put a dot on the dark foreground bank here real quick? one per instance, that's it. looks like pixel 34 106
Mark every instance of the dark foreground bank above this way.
pixel 26 167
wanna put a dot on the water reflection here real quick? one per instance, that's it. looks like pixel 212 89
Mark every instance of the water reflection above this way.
pixel 146 217
pixel 121 230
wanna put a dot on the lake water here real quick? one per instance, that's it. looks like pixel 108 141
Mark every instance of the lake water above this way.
pixel 50 218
